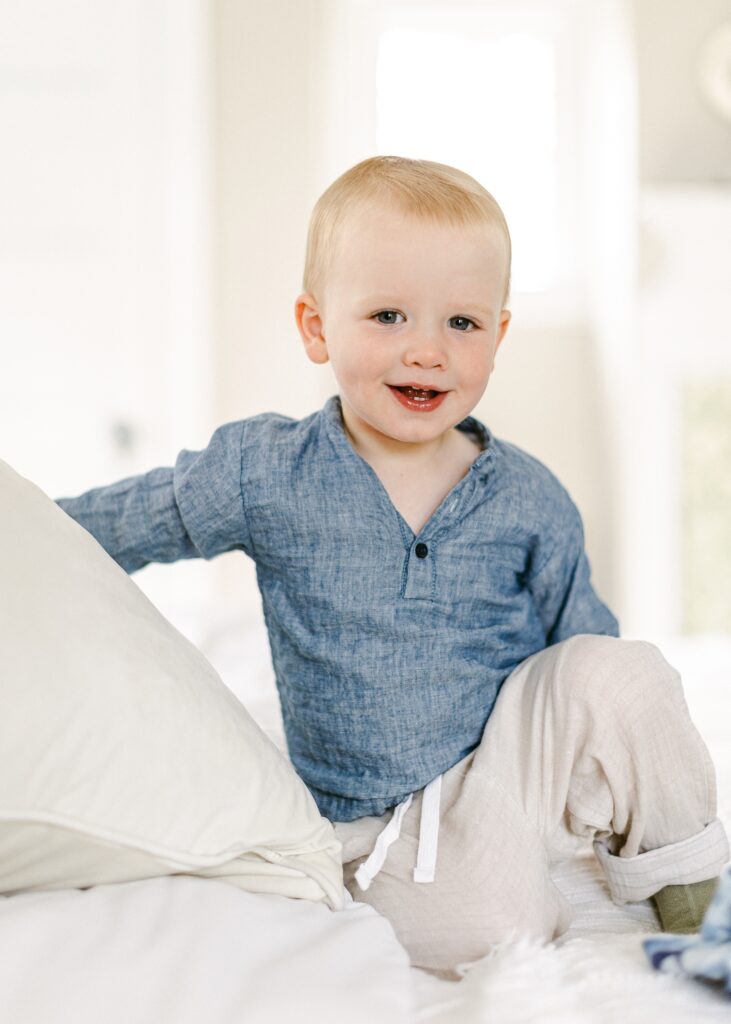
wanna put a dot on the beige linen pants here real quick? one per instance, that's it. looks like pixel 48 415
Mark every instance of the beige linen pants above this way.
pixel 590 737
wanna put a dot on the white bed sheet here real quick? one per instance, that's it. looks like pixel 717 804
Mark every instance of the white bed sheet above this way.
pixel 186 950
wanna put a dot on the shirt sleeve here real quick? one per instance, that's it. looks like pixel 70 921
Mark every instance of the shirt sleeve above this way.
pixel 192 510
pixel 561 586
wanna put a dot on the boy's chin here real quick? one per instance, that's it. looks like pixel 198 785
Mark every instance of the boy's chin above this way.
pixel 408 428
pixel 416 433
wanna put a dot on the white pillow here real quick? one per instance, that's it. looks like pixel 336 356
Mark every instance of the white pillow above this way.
pixel 122 753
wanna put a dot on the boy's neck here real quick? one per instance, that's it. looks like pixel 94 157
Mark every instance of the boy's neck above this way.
pixel 408 458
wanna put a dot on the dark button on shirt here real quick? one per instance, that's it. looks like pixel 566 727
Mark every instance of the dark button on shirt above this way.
pixel 387 668
pixel 421 550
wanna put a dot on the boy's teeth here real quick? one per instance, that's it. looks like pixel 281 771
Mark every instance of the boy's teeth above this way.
pixel 420 394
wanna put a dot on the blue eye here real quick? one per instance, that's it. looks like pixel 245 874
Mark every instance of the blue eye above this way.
pixel 465 320
pixel 387 312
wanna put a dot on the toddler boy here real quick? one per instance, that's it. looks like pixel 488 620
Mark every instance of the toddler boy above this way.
pixel 453 691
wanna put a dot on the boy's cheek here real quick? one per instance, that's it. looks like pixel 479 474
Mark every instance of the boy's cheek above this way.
pixel 479 369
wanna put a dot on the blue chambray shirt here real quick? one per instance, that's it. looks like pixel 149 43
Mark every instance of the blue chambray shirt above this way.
pixel 389 649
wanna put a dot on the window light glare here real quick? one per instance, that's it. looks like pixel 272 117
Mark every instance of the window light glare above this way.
pixel 485 103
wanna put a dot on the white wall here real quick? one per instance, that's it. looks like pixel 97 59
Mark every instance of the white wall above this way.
pixel 682 140
pixel 104 262
pixel 264 134
pixel 683 336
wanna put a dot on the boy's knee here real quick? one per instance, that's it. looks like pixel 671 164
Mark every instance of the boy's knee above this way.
pixel 610 670
pixel 460 918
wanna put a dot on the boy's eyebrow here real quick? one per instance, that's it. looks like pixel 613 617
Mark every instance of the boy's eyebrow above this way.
pixel 386 300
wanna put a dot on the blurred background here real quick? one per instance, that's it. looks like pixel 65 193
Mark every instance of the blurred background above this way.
pixel 159 164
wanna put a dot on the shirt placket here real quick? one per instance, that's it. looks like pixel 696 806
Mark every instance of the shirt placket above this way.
pixel 420 579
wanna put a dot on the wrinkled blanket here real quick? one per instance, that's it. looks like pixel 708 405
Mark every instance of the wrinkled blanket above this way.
pixel 706 955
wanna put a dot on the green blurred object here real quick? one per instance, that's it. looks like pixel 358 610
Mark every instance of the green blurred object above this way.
pixel 681 908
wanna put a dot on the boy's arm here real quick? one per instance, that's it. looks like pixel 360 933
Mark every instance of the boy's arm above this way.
pixel 136 520
pixel 561 586
pixel 190 511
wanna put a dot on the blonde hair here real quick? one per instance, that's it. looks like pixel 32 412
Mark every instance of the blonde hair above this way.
pixel 421 188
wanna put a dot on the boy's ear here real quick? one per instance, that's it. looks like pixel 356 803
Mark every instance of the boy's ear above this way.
pixel 309 324
pixel 502 326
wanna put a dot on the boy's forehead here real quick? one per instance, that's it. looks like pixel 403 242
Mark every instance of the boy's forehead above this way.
pixel 385 220
pixel 374 239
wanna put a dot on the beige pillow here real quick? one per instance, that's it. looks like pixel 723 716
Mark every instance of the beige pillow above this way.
pixel 122 753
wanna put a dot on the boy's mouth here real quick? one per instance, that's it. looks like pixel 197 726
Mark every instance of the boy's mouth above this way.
pixel 417 394
pixel 417 398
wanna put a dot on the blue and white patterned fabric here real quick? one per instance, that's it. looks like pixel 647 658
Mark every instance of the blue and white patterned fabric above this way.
pixel 705 955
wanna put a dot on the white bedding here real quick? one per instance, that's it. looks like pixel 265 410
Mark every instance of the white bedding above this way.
pixel 186 950
pixel 182 949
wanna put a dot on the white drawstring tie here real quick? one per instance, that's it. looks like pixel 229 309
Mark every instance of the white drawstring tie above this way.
pixel 426 857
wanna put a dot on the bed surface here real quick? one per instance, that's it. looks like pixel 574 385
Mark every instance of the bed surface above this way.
pixel 188 950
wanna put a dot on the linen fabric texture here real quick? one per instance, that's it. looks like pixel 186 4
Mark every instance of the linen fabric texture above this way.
pixel 389 648
pixel 122 754
pixel 590 740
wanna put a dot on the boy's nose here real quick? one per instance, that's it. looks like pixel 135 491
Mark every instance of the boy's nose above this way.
pixel 427 353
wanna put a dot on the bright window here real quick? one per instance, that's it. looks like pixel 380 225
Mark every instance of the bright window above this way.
pixel 483 97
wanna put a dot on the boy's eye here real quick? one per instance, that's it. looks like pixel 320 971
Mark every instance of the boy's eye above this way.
pixel 387 313
pixel 463 320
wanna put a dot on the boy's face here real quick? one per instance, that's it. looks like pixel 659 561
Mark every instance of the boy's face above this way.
pixel 408 304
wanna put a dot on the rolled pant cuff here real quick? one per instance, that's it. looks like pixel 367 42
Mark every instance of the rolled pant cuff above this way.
pixel 694 859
